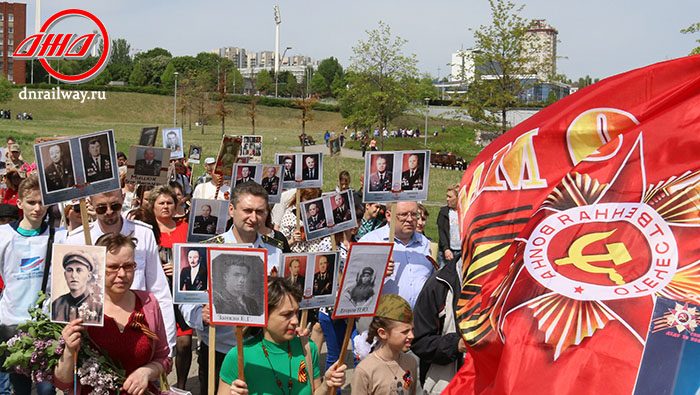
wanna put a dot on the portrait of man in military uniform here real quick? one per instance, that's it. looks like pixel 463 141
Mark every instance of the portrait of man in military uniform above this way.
pixel 380 179
pixel 238 290
pixel 271 181
pixel 98 166
pixel 81 300
pixel 205 223
pixel 59 173
pixel 315 216
pixel 148 166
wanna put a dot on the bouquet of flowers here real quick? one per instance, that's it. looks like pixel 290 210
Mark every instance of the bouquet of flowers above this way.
pixel 38 346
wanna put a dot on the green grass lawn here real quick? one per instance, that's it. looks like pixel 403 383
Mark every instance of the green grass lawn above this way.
pixel 127 113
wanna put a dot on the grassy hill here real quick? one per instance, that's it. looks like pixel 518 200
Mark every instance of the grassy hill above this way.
pixel 127 113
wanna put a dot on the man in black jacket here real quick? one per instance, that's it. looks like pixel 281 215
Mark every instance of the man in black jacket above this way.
pixel 437 342
pixel 449 242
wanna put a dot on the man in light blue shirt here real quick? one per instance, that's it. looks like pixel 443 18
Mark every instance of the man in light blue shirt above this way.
pixel 249 209
pixel 412 268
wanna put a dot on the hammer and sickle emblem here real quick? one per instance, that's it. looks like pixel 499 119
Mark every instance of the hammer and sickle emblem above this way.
pixel 617 253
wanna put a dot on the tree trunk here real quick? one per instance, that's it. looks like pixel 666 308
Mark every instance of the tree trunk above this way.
pixel 504 120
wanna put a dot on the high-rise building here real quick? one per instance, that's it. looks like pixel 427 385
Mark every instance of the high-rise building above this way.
pixel 462 66
pixel 13 30
pixel 542 45
pixel 237 55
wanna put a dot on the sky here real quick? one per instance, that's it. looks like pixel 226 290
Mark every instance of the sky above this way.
pixel 599 38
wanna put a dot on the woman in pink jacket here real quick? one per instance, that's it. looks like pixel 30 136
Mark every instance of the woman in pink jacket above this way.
pixel 133 334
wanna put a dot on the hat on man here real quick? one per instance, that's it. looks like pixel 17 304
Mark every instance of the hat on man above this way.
pixel 209 161
pixel 394 308
pixel 15 148
pixel 77 258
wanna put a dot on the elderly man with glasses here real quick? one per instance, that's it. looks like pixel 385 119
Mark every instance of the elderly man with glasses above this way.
pixel 149 275
pixel 411 268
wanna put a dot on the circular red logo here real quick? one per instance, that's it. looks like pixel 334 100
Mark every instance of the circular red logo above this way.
pixel 101 62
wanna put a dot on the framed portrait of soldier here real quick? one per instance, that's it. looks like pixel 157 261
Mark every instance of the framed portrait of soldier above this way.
pixel 328 214
pixel 190 277
pixel 363 279
pixel 245 173
pixel 251 148
pixel 148 165
pixel 76 167
pixel 195 154
pixel 172 140
pixel 238 286
pixel 207 219
pixel 148 136
pixel 321 277
pixel 392 176
pixel 228 156
pixel 272 182
pixel 301 170
pixel 77 282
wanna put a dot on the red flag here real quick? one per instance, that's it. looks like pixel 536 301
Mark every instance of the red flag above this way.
pixel 572 223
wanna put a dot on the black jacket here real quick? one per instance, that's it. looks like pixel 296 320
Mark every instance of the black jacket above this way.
pixel 443 224
pixel 429 345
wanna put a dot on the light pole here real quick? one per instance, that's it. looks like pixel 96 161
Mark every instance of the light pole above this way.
pixel 427 108
pixel 278 71
pixel 175 102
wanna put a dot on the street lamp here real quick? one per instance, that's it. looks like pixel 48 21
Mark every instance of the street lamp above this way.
pixel 427 108
pixel 277 71
pixel 175 102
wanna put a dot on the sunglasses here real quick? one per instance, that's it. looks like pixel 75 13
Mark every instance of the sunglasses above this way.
pixel 102 208
pixel 76 208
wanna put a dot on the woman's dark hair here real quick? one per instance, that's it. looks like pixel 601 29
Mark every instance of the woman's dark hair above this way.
pixel 161 190
pixel 378 322
pixel 176 185
pixel 146 215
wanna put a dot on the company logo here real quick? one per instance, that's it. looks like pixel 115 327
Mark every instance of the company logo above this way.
pixel 45 46
pixel 603 252
pixel 30 264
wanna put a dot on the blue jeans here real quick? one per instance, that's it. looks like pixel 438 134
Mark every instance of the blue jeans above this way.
pixel 23 385
pixel 5 383
pixel 334 332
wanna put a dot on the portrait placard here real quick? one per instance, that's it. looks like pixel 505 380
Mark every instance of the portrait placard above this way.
pixel 172 140
pixel 190 277
pixel 77 167
pixel 301 170
pixel 77 282
pixel 208 218
pixel 363 279
pixel 228 155
pixel 328 214
pixel 148 136
pixel 334 146
pixel 392 176
pixel 316 275
pixel 238 286
pixel 148 165
pixel 251 148
pixel 195 154
pixel 265 175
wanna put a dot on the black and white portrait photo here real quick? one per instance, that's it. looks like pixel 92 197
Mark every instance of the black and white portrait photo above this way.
pixel 227 156
pixel 190 276
pixel 251 147
pixel 59 172
pixel 238 283
pixel 75 167
pixel 77 284
pixel 97 162
pixel 148 136
pixel 172 140
pixel 147 166
pixel 195 154
pixel 362 280
pixel 288 167
pixel 207 218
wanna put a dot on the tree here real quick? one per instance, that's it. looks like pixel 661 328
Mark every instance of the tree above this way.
pixel 291 86
pixel 504 54
pixel 167 79
pixel 694 28
pixel 328 71
pixel 381 79
pixel 152 53
pixel 120 63
pixel 264 82
pixel 319 85
pixel 306 105
pixel 234 81
pixel 137 77
pixel 5 90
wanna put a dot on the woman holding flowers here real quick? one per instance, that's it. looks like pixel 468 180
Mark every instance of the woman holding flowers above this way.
pixel 133 334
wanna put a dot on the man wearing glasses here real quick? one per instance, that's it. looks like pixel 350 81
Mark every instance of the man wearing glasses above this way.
pixel 149 275
pixel 411 266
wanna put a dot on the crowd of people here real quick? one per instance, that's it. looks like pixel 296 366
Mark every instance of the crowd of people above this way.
pixel 412 339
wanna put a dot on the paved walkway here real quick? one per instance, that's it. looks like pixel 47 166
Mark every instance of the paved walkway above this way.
pixel 344 152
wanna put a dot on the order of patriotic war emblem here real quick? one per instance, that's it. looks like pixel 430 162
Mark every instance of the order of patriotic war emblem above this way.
pixel 602 252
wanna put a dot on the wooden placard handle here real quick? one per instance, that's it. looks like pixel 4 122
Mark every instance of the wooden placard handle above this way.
pixel 298 205
pixel 344 348
pixel 239 344
pixel 84 220
pixel 211 375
